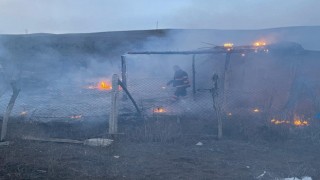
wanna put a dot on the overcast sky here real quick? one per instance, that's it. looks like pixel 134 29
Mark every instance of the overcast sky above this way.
pixel 71 16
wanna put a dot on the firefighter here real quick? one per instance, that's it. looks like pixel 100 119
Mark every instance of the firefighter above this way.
pixel 180 81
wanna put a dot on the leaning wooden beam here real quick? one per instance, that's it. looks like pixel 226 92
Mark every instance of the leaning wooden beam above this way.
pixel 15 93
pixel 131 98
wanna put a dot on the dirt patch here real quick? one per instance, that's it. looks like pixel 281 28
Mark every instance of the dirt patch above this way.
pixel 167 154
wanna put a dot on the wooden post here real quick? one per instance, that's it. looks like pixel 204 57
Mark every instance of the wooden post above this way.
pixel 113 119
pixel 124 70
pixel 15 93
pixel 124 74
pixel 193 76
pixel 217 103
pixel 224 82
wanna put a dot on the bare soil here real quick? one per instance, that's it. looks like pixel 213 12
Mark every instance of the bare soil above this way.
pixel 170 155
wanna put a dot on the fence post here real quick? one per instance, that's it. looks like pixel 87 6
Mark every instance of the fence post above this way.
pixel 124 74
pixel 193 76
pixel 225 82
pixel 113 119
pixel 217 103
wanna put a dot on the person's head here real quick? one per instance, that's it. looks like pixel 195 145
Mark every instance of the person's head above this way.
pixel 176 68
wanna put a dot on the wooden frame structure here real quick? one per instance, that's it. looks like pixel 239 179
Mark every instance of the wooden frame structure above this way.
pixel 227 50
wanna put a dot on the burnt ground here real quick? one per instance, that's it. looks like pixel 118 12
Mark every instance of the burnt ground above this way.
pixel 159 149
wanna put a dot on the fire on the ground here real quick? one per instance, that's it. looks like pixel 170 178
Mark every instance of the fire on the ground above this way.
pixel 297 121
pixel 103 85
pixel 159 110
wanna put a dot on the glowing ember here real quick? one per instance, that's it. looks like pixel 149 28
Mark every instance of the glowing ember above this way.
pixel 24 113
pixel 296 122
pixel 159 110
pixel 228 45
pixel 104 85
pixel 276 122
pixel 256 110
pixel 259 43
pixel 299 122
pixel 76 116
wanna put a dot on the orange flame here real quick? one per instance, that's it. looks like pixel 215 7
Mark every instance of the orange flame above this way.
pixel 159 110
pixel 104 85
pixel 296 122
pixel 228 45
pixel 259 43
pixel 299 122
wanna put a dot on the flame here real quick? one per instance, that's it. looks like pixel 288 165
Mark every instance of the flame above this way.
pixel 76 116
pixel 228 45
pixel 104 85
pixel 299 122
pixel 296 122
pixel 259 43
pixel 159 110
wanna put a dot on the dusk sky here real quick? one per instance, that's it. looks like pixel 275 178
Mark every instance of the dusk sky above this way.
pixel 73 16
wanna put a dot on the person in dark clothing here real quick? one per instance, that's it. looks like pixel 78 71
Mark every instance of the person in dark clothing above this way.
pixel 180 81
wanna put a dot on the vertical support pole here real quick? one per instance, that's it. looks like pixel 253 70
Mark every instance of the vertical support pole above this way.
pixel 124 74
pixel 225 82
pixel 113 119
pixel 217 103
pixel 124 70
pixel 15 93
pixel 194 76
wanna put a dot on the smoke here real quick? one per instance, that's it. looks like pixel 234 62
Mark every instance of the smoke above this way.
pixel 253 78
pixel 61 66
